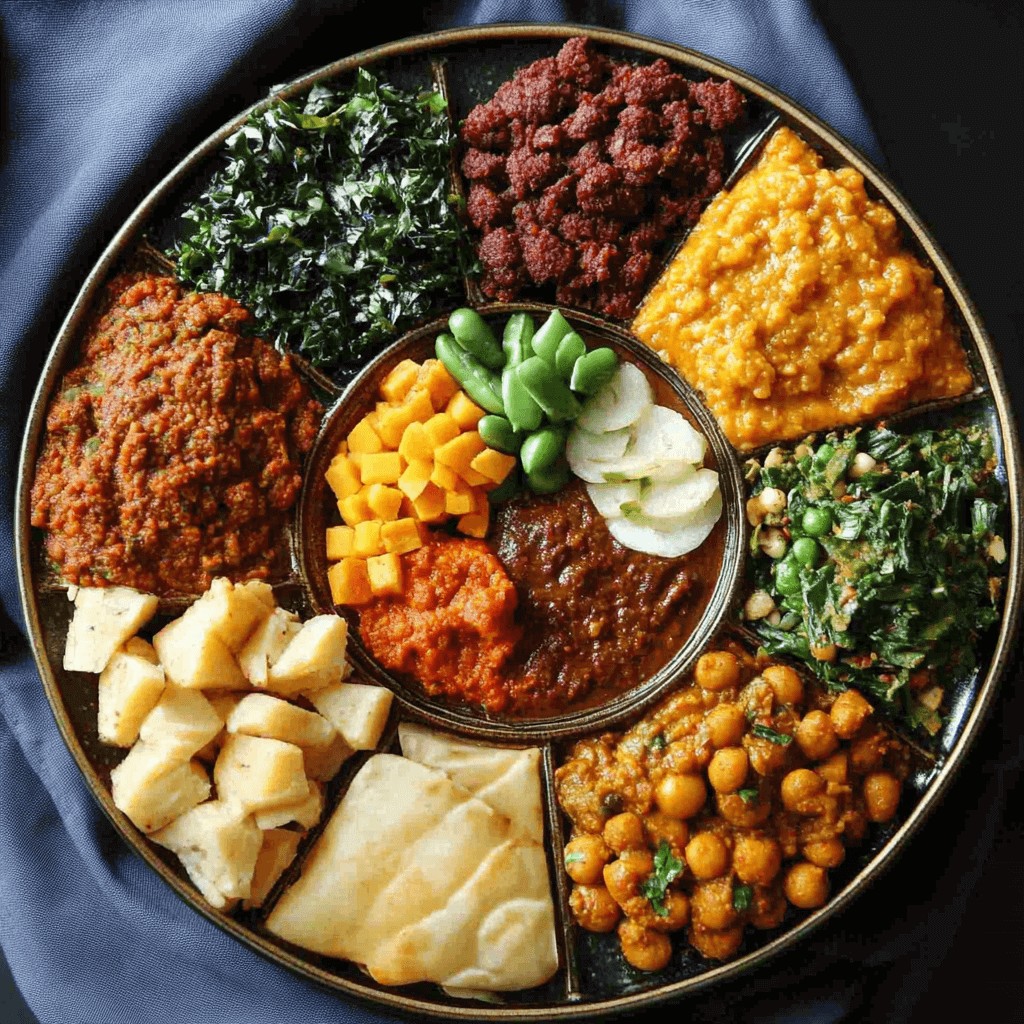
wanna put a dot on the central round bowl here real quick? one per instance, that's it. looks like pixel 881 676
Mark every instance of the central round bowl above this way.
pixel 315 516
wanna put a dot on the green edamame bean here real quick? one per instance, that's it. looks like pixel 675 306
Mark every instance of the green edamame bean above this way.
pixel 520 408
pixel 569 351
pixel 547 481
pixel 551 332
pixel 516 341
pixel 497 432
pixel 787 577
pixel 805 550
pixel 547 390
pixel 593 371
pixel 542 449
pixel 816 522
pixel 474 334
pixel 475 379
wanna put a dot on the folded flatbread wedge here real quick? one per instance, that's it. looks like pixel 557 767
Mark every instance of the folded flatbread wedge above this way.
pixel 418 880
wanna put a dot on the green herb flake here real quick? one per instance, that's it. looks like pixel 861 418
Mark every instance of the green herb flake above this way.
pixel 748 796
pixel 742 897
pixel 658 742
pixel 666 869
pixel 765 732
pixel 574 858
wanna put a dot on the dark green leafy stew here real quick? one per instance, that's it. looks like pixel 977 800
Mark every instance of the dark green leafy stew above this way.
pixel 877 560
pixel 332 221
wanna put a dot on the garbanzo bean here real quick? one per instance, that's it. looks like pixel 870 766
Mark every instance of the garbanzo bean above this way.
pixel 728 769
pixel 742 813
pixel 645 949
pixel 849 712
pixel 682 796
pixel 787 685
pixel 816 736
pixel 623 877
pixel 594 908
pixel 800 787
pixel 756 859
pixel 716 944
pixel 826 853
pixel 835 769
pixel 806 885
pixel 625 832
pixel 717 670
pixel 768 907
pixel 660 826
pixel 677 913
pixel 585 858
pixel 711 904
pixel 867 752
pixel 706 856
pixel 726 724
pixel 882 796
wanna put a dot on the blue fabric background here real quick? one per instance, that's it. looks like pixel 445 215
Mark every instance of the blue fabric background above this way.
pixel 98 100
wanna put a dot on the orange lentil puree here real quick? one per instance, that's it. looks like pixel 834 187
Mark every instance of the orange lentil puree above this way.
pixel 792 306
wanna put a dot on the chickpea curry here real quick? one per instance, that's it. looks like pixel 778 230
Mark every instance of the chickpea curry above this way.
pixel 726 805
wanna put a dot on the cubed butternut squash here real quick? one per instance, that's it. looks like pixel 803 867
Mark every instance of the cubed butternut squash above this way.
pixel 381 468
pixel 363 438
pixel 415 478
pixel 440 429
pixel 464 411
pixel 339 542
pixel 366 539
pixel 440 384
pixel 350 582
pixel 400 536
pixel 444 476
pixel 384 501
pixel 354 508
pixel 385 574
pixel 400 381
pixel 459 503
pixel 493 465
pixel 429 506
pixel 415 444
pixel 473 525
pixel 343 477
pixel 458 454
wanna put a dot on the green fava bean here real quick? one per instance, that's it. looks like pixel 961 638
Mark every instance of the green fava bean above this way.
pixel 519 407
pixel 517 339
pixel 542 449
pixel 550 480
pixel 547 390
pixel 506 490
pixel 806 550
pixel 787 577
pixel 570 349
pixel 547 338
pixel 474 334
pixel 593 371
pixel 497 432
pixel 816 522
pixel 472 376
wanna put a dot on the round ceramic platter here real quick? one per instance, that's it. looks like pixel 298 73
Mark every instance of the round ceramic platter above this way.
pixel 592 978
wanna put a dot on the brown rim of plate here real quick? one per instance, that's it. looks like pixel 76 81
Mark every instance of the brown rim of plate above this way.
pixel 815 131
pixel 464 719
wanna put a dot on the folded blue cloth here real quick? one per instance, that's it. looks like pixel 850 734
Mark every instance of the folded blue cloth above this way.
pixel 99 99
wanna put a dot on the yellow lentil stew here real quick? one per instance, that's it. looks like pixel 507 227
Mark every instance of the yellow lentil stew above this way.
pixel 793 306
pixel 725 805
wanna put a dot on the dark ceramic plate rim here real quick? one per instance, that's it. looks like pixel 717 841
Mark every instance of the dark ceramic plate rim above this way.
pixel 817 131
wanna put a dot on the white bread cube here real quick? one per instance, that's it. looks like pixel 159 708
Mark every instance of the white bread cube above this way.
pixel 104 618
pixel 259 714
pixel 359 712
pixel 128 690
pixel 304 812
pixel 277 852
pixel 260 773
pixel 233 612
pixel 314 658
pixel 266 644
pixel 182 723
pixel 218 844
pixel 193 655
pixel 324 762
pixel 151 788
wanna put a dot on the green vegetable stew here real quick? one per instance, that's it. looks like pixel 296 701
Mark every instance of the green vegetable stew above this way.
pixel 332 221
pixel 877 560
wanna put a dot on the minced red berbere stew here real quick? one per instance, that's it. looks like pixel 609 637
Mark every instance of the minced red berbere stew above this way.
pixel 580 167
pixel 172 450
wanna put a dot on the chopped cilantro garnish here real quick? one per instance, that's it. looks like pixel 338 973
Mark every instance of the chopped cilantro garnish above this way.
pixel 773 736
pixel 742 897
pixel 573 858
pixel 748 796
pixel 658 742
pixel 666 869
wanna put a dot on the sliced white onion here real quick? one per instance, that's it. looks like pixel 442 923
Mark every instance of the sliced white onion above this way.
pixel 686 534
pixel 663 443
pixel 608 499
pixel 586 446
pixel 620 403
pixel 680 497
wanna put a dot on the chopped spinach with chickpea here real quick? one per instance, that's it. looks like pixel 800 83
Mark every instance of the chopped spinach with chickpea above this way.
pixel 877 560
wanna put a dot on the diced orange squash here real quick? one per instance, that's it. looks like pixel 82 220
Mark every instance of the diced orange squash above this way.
pixel 366 539
pixel 356 458
pixel 384 501
pixel 483 505
pixel 458 504
pixel 429 506
pixel 393 421
pixel 415 477
pixel 440 429
pixel 350 582
pixel 363 438
pixel 342 476
pixel 401 536
pixel 385 574
pixel 415 444
pixel 342 448
pixel 475 478
pixel 339 542
pixel 354 508
pixel 438 382
pixel 464 411
pixel 381 468
pixel 459 452
pixel 399 382
pixel 493 465
pixel 419 405
pixel 473 524
pixel 373 418
pixel 444 476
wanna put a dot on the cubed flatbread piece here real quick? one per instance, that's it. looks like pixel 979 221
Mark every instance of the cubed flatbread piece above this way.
pixel 507 780
pixel 418 880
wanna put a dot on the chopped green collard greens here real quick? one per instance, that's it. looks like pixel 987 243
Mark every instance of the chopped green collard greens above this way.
pixel 877 560
pixel 332 220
